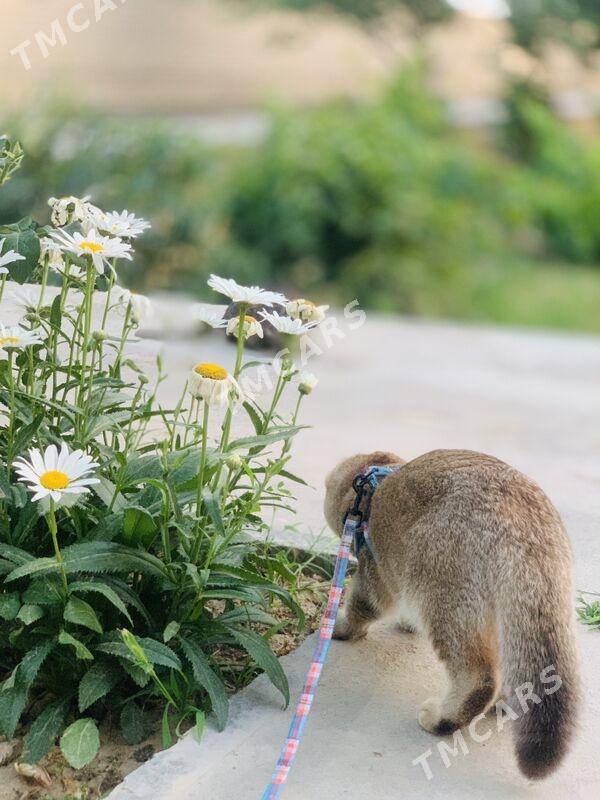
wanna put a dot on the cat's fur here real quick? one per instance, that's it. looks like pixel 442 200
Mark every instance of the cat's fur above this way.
pixel 475 555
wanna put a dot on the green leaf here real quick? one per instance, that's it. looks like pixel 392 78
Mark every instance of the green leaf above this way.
pixel 55 313
pixel 81 650
pixel 80 743
pixel 26 434
pixel 140 468
pixel 26 522
pixel 10 605
pixel 167 739
pixel 278 433
pixel 32 662
pixel 139 527
pixel 132 723
pixel 14 700
pixel 208 679
pixel 27 244
pixel 106 491
pixel 200 723
pixel 12 705
pixel 30 613
pixel 94 557
pixel 156 652
pixel 44 730
pixel 259 651
pixel 79 612
pixel 105 591
pixel 96 683
pixel 170 631
pixel 44 591
pixel 257 422
pixel 212 506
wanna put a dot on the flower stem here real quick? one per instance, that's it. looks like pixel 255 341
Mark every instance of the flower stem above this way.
pixel 51 518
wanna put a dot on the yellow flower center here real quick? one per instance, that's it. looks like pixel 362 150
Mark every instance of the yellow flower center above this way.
pixel 212 371
pixel 304 302
pixel 92 247
pixel 250 320
pixel 8 340
pixel 54 480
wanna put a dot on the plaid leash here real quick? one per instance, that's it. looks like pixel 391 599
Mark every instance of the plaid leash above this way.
pixel 290 748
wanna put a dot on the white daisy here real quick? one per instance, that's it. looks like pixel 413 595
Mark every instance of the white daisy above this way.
pixel 8 258
pixel 306 382
pixel 123 224
pixel 71 209
pixel 141 306
pixel 253 295
pixel 56 474
pixel 252 327
pixel 305 310
pixel 51 250
pixel 16 336
pixel 213 384
pixel 26 296
pixel 287 325
pixel 210 316
pixel 100 248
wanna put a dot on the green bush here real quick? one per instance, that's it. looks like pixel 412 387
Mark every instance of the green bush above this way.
pixel 383 200
pixel 133 576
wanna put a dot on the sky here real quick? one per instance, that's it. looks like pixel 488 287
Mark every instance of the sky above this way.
pixel 482 8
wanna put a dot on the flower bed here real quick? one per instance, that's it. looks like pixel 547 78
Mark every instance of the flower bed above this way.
pixel 133 575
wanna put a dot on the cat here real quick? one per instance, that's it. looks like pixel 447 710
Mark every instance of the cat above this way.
pixel 473 554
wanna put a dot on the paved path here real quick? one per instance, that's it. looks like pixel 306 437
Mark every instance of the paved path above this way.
pixel 532 399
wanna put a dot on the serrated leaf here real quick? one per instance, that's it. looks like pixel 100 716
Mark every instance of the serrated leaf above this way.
pixel 81 650
pixel 278 433
pixel 78 612
pixel 132 723
pixel 10 605
pixel 44 730
pixel 29 614
pixel 208 679
pixel 12 704
pixel 105 591
pixel 80 743
pixel 259 651
pixel 96 683
pixel 94 557
pixel 44 591
pixel 170 631
pixel 156 652
pixel 211 504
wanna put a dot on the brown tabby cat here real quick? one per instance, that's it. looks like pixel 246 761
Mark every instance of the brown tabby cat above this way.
pixel 474 554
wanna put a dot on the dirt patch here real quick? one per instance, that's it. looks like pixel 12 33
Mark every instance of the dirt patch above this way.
pixel 117 759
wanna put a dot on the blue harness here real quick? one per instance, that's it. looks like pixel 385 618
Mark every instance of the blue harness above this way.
pixel 366 482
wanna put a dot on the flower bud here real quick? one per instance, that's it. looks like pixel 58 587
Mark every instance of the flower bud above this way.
pixel 234 462
pixel 306 382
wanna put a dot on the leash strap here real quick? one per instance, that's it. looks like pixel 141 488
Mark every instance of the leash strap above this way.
pixel 296 730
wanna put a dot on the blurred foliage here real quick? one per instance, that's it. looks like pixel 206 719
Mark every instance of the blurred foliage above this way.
pixel 382 201
pixel 576 23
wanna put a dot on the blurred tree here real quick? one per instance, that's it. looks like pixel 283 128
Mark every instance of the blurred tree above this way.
pixel 533 22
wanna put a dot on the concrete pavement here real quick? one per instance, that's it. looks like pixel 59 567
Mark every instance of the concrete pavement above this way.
pixel 530 398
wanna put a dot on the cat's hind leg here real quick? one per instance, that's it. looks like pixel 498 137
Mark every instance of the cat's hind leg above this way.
pixel 473 682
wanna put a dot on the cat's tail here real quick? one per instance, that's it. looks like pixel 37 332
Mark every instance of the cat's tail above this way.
pixel 540 662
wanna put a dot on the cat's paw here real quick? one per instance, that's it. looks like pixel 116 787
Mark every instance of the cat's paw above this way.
pixel 430 715
pixel 341 629
pixel 431 719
